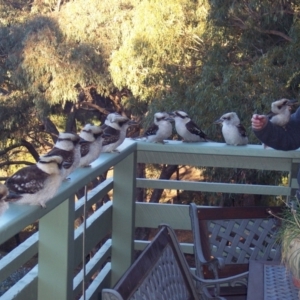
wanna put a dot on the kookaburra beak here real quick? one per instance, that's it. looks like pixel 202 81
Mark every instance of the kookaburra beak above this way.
pixel 292 102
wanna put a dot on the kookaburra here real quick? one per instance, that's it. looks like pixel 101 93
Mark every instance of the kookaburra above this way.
pixel 3 196
pixel 68 147
pixel 159 130
pixel 281 111
pixel 36 184
pixel 115 129
pixel 233 131
pixel 90 144
pixel 186 128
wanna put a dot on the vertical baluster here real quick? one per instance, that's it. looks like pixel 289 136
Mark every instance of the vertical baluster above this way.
pixel 123 216
pixel 56 253
pixel 293 175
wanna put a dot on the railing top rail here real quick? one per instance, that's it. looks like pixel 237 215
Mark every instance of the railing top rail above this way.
pixel 17 217
pixel 214 148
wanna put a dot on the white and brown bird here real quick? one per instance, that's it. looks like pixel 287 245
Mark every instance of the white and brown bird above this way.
pixel 115 129
pixel 110 118
pixel 90 144
pixel 281 111
pixel 68 147
pixel 3 195
pixel 233 131
pixel 186 128
pixel 36 184
pixel 159 130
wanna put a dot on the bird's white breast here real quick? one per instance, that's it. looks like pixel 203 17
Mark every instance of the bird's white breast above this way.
pixel 232 135
pixel 94 152
pixel 164 132
pixel 281 119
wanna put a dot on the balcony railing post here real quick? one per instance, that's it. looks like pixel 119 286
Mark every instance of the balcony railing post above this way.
pixel 293 174
pixel 56 253
pixel 123 216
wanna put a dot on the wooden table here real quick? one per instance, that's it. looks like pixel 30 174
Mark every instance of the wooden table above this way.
pixel 270 281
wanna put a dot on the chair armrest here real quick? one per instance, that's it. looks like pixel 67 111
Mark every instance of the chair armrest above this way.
pixel 203 284
pixel 216 262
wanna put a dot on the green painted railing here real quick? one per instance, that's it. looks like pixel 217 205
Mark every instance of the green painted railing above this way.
pixel 61 245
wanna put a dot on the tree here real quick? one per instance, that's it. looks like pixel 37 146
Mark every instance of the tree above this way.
pixel 65 63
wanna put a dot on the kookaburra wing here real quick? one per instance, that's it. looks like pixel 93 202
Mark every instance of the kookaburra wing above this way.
pixel 67 146
pixel 159 130
pixel 38 183
pixel 90 144
pixel 233 131
pixel 186 128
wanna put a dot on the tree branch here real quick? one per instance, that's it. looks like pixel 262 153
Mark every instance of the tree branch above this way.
pixel 17 162
pixel 30 149
pixel 58 5
pixel 275 32
pixel 6 150
pixel 95 106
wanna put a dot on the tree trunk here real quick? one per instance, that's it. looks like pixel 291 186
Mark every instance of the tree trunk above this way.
pixel 141 173
pixel 71 121
pixel 51 129
pixel 166 173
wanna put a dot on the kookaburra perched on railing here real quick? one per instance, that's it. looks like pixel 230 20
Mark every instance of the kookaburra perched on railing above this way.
pixel 187 128
pixel 115 128
pixel 3 197
pixel 68 147
pixel 159 130
pixel 233 131
pixel 90 144
pixel 38 183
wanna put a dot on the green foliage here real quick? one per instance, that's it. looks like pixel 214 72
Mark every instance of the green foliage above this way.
pixel 17 113
pixel 154 56
pixel 203 57
pixel 289 236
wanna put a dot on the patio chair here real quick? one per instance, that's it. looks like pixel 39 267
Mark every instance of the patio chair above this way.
pixel 160 272
pixel 226 238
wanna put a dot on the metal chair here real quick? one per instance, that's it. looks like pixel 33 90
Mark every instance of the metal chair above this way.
pixel 160 272
pixel 226 238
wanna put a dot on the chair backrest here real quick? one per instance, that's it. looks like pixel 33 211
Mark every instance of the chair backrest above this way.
pixel 160 272
pixel 235 234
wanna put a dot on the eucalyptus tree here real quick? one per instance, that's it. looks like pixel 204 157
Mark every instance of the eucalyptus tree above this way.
pixel 251 60
pixel 212 58
pixel 54 59
pixel 63 63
